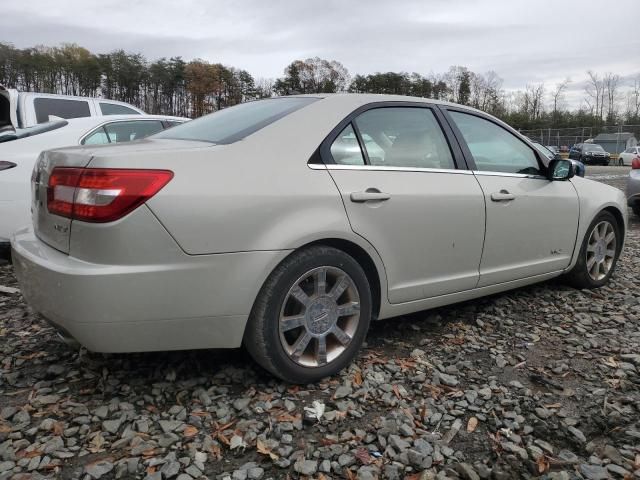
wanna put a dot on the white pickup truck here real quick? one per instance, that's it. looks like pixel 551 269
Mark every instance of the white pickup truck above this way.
pixel 25 109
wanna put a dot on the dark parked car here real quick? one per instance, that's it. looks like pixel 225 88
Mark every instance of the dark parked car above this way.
pixel 590 154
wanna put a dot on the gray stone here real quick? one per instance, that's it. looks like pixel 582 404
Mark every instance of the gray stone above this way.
pixel 112 426
pixel 306 467
pixel 593 472
pixel 99 468
pixel 466 471
pixel 170 469
pixel 577 434
pixel 343 391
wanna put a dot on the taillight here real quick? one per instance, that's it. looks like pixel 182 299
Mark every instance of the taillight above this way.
pixel 101 194
pixel 635 163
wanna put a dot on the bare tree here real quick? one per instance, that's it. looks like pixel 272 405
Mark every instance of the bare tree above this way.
pixel 532 100
pixel 633 102
pixel 558 96
pixel 611 83
pixel 595 94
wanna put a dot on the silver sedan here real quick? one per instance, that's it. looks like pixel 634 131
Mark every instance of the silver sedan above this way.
pixel 286 225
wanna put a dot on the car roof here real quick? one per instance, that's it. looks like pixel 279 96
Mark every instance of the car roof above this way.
pixel 364 98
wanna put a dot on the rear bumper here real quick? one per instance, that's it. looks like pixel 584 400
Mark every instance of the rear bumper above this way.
pixel 190 303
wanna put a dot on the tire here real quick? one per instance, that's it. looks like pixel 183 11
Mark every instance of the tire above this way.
pixel 636 210
pixel 579 276
pixel 279 301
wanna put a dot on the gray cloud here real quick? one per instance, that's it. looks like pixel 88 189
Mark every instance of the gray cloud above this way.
pixel 541 42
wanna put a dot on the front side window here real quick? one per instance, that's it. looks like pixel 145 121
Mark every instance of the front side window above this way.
pixel 495 149
pixel 404 137
pixel 59 107
pixel 116 109
pixel 235 123
pixel 119 132
pixel 345 149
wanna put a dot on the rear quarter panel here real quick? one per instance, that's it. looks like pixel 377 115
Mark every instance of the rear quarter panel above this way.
pixel 255 194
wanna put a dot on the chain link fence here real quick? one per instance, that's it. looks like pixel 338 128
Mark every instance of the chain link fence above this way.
pixel 564 138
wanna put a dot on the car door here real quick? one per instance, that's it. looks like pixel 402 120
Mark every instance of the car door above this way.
pixel 532 222
pixel 405 194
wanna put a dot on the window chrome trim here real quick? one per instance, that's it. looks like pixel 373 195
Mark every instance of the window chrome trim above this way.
pixel 382 168
pixel 487 173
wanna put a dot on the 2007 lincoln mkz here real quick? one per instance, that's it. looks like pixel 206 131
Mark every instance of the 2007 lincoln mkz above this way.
pixel 288 224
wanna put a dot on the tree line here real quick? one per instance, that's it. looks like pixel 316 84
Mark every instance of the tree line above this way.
pixel 192 88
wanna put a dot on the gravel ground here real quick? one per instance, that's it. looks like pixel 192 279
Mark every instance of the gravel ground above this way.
pixel 539 382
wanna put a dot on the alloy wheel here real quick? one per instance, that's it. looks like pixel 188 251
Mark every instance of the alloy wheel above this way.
pixel 319 316
pixel 601 250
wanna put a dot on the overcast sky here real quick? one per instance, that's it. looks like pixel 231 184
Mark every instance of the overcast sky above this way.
pixel 523 41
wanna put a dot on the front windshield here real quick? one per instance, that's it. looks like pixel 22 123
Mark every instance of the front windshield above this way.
pixel 235 123
pixel 593 148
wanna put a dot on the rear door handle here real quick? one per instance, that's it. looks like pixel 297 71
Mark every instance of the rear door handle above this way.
pixel 369 195
pixel 502 196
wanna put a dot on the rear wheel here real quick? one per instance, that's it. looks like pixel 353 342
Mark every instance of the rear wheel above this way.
pixel 311 315
pixel 599 253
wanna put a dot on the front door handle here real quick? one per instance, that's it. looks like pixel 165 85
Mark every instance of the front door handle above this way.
pixel 369 195
pixel 502 196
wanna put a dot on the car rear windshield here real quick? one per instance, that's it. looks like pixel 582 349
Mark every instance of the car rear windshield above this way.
pixel 235 123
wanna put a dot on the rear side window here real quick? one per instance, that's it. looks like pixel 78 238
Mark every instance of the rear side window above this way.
pixel 99 137
pixel 345 149
pixel 119 132
pixel 235 123
pixel 404 137
pixel 60 108
pixel 115 109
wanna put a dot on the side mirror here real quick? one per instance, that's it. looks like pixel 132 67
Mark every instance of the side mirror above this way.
pixel 560 170
pixel 579 168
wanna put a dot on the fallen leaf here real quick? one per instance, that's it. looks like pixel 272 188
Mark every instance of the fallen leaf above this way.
pixel 357 378
pixel 363 456
pixel 190 431
pixel 350 474
pixel 216 451
pixel 472 424
pixel 58 428
pixel 396 390
pixel 542 464
pixel 264 450
pixel 96 444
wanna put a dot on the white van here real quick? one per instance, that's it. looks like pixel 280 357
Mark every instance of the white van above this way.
pixel 25 109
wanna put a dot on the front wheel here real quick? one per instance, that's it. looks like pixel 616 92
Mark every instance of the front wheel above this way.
pixel 599 253
pixel 311 316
